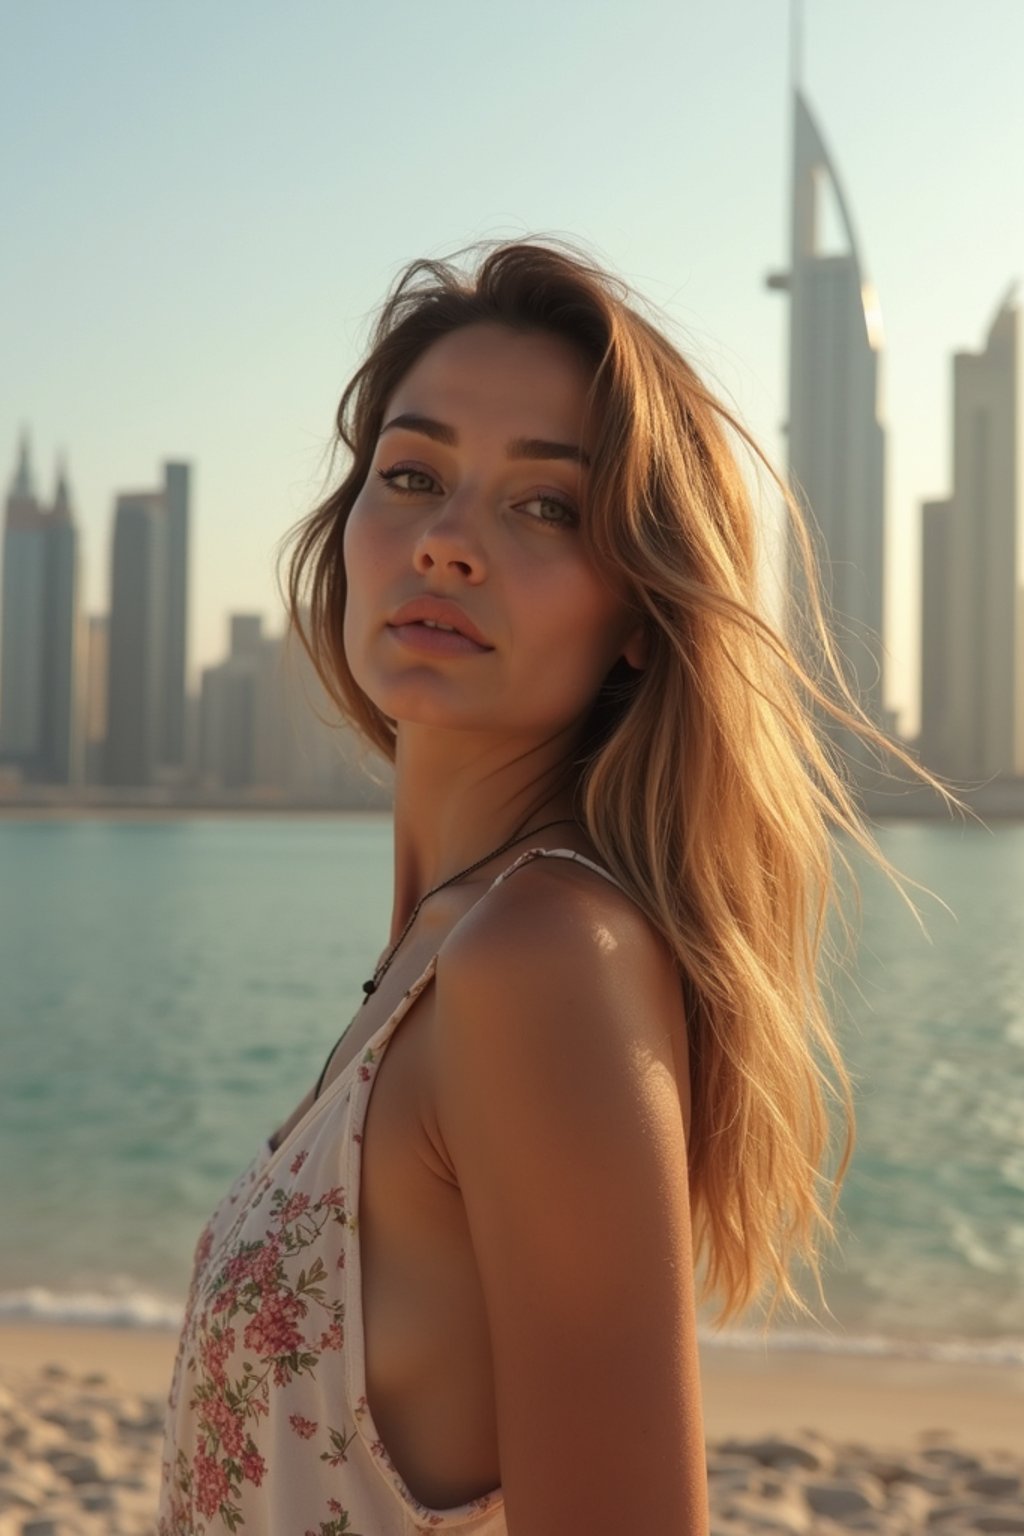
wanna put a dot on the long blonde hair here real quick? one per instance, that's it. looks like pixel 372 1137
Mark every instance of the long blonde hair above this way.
pixel 708 782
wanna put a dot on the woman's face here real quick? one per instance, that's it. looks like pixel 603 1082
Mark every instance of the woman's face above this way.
pixel 474 500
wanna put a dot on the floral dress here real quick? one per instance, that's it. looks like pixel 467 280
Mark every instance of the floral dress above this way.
pixel 268 1431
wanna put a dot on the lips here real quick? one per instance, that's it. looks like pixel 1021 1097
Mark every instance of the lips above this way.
pixel 437 610
pixel 427 641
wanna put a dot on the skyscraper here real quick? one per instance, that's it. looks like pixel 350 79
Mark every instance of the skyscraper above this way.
pixel 935 569
pixel 177 479
pixel 836 439
pixel 94 676
pixel 147 656
pixel 135 640
pixel 228 709
pixel 39 626
pixel 972 650
pixel 61 725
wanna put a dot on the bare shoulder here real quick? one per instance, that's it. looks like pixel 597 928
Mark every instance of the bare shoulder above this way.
pixel 557 962
pixel 555 926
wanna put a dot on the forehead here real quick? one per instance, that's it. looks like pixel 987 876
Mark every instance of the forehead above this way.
pixel 531 382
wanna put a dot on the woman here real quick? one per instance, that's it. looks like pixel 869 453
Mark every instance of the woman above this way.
pixel 456 1289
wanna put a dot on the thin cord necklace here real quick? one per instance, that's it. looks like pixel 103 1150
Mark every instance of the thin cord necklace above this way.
pixel 370 987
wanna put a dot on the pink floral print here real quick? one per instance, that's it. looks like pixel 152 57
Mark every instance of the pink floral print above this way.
pixel 272 1293
pixel 266 1314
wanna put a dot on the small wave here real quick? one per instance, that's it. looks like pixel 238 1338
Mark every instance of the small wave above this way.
pixel 1001 1352
pixel 140 1309
pixel 131 1310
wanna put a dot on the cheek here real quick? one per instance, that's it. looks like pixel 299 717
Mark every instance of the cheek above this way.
pixel 578 630
pixel 365 552
pixel 357 547
pixel 362 560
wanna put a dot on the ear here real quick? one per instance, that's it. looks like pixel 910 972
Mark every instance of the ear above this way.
pixel 634 651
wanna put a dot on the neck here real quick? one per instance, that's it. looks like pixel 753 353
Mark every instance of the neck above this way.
pixel 458 796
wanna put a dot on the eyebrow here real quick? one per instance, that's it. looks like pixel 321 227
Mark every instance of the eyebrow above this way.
pixel 518 448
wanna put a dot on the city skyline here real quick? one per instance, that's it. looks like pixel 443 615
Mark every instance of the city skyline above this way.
pixel 101 699
pixel 94 707
pixel 207 292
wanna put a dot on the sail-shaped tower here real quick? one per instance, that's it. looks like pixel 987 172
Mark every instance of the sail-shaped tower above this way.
pixel 836 440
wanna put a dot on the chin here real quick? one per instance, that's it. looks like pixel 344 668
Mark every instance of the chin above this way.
pixel 424 697
pixel 423 703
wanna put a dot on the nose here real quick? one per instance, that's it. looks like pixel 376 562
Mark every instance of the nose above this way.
pixel 449 542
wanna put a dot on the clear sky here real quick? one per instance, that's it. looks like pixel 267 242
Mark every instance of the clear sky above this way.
pixel 203 203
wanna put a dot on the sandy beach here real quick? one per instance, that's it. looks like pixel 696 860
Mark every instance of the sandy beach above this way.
pixel 797 1442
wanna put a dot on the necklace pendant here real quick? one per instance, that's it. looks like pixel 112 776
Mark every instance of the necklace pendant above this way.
pixel 370 987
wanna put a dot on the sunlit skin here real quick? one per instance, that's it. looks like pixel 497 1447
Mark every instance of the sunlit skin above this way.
pixel 479 736
pixel 542 1080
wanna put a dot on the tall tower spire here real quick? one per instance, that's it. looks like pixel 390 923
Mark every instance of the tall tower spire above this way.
pixel 22 487
pixel 836 440
pixel 62 499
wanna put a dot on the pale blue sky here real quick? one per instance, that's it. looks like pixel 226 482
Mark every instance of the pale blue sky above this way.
pixel 203 202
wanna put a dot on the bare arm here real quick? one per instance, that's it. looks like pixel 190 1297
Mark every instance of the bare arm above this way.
pixel 561 1113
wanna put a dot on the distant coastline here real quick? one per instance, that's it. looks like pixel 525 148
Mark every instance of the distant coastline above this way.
pixel 78 810
pixel 999 800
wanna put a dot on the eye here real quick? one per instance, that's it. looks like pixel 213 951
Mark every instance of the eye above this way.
pixel 392 476
pixel 558 513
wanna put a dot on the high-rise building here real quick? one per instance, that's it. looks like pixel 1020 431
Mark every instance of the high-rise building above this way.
pixel 177 479
pixel 38 724
pixel 228 710
pixel 135 640
pixel 836 441
pixel 61 746
pixel 21 646
pixel 972 642
pixel 147 653
pixel 95 679
pixel 932 746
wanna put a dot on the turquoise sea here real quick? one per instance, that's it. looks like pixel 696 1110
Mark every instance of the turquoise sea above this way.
pixel 168 991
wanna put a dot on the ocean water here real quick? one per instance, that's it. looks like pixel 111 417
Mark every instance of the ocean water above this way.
pixel 169 990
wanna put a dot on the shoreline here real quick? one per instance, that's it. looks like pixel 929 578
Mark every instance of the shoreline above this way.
pixel 1000 810
pixel 72 813
pixel 799 1444
pixel 888 1402
pixel 27 813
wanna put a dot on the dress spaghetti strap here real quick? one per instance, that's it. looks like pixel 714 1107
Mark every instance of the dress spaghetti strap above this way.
pixel 554 853
pixel 524 858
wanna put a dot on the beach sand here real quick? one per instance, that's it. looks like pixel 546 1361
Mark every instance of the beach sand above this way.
pixel 797 1442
